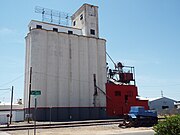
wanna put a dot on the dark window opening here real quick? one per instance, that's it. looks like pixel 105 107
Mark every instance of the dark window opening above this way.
pixel 81 16
pixel 74 23
pixel 92 32
pixel 55 29
pixel 38 26
pixel 165 107
pixel 126 98
pixel 117 93
pixel 70 32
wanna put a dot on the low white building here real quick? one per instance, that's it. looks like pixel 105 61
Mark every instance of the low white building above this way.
pixel 177 104
pixel 17 112
pixel 161 104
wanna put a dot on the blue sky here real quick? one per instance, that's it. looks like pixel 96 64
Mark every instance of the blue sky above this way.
pixel 140 33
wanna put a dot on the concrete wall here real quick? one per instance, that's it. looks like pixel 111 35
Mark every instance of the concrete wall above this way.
pixel 48 26
pixel 62 68
pixel 89 20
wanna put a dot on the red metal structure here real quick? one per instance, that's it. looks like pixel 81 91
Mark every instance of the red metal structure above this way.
pixel 121 91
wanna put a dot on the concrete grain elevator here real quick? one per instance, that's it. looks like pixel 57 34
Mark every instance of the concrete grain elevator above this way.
pixel 67 63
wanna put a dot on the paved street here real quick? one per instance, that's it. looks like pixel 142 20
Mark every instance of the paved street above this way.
pixel 111 129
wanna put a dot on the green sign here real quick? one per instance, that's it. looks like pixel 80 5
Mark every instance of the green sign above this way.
pixel 35 92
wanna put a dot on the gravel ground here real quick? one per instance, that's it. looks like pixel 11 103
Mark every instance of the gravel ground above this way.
pixel 88 130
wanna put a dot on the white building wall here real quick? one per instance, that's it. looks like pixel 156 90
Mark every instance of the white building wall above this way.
pixel 64 71
pixel 74 71
pixel 48 26
pixel 27 61
pixel 63 66
pixel 89 20
pixel 79 23
pixel 83 70
pixel 17 113
pixel 38 62
pixel 101 74
pixel 92 58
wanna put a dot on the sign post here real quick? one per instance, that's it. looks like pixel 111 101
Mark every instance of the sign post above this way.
pixel 35 93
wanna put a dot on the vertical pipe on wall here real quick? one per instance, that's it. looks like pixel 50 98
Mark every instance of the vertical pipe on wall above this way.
pixel 29 102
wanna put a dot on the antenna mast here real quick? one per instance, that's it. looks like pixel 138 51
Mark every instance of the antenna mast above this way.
pixel 162 93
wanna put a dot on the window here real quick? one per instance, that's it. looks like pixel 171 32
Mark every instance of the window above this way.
pixel 92 32
pixel 81 16
pixel 126 98
pixel 117 93
pixel 74 23
pixel 38 26
pixel 55 29
pixel 70 32
pixel 165 107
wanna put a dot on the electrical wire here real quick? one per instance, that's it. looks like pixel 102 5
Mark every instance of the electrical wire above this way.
pixel 12 80
pixel 62 78
pixel 5 89
pixel 67 78
pixel 4 93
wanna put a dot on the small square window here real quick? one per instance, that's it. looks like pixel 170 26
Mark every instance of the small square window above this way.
pixel 38 26
pixel 55 29
pixel 70 32
pixel 117 93
pixel 74 23
pixel 81 16
pixel 92 32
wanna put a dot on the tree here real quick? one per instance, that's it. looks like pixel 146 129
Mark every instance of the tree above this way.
pixel 170 126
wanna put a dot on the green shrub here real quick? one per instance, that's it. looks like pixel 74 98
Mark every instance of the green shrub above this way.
pixel 170 126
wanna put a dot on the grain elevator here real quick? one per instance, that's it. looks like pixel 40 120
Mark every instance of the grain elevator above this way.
pixel 67 63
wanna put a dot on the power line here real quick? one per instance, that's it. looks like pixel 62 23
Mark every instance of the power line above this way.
pixel 12 80
pixel 4 93
pixel 62 78
pixel 5 89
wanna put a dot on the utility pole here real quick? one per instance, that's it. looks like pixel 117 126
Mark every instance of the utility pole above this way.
pixel 29 103
pixel 11 104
